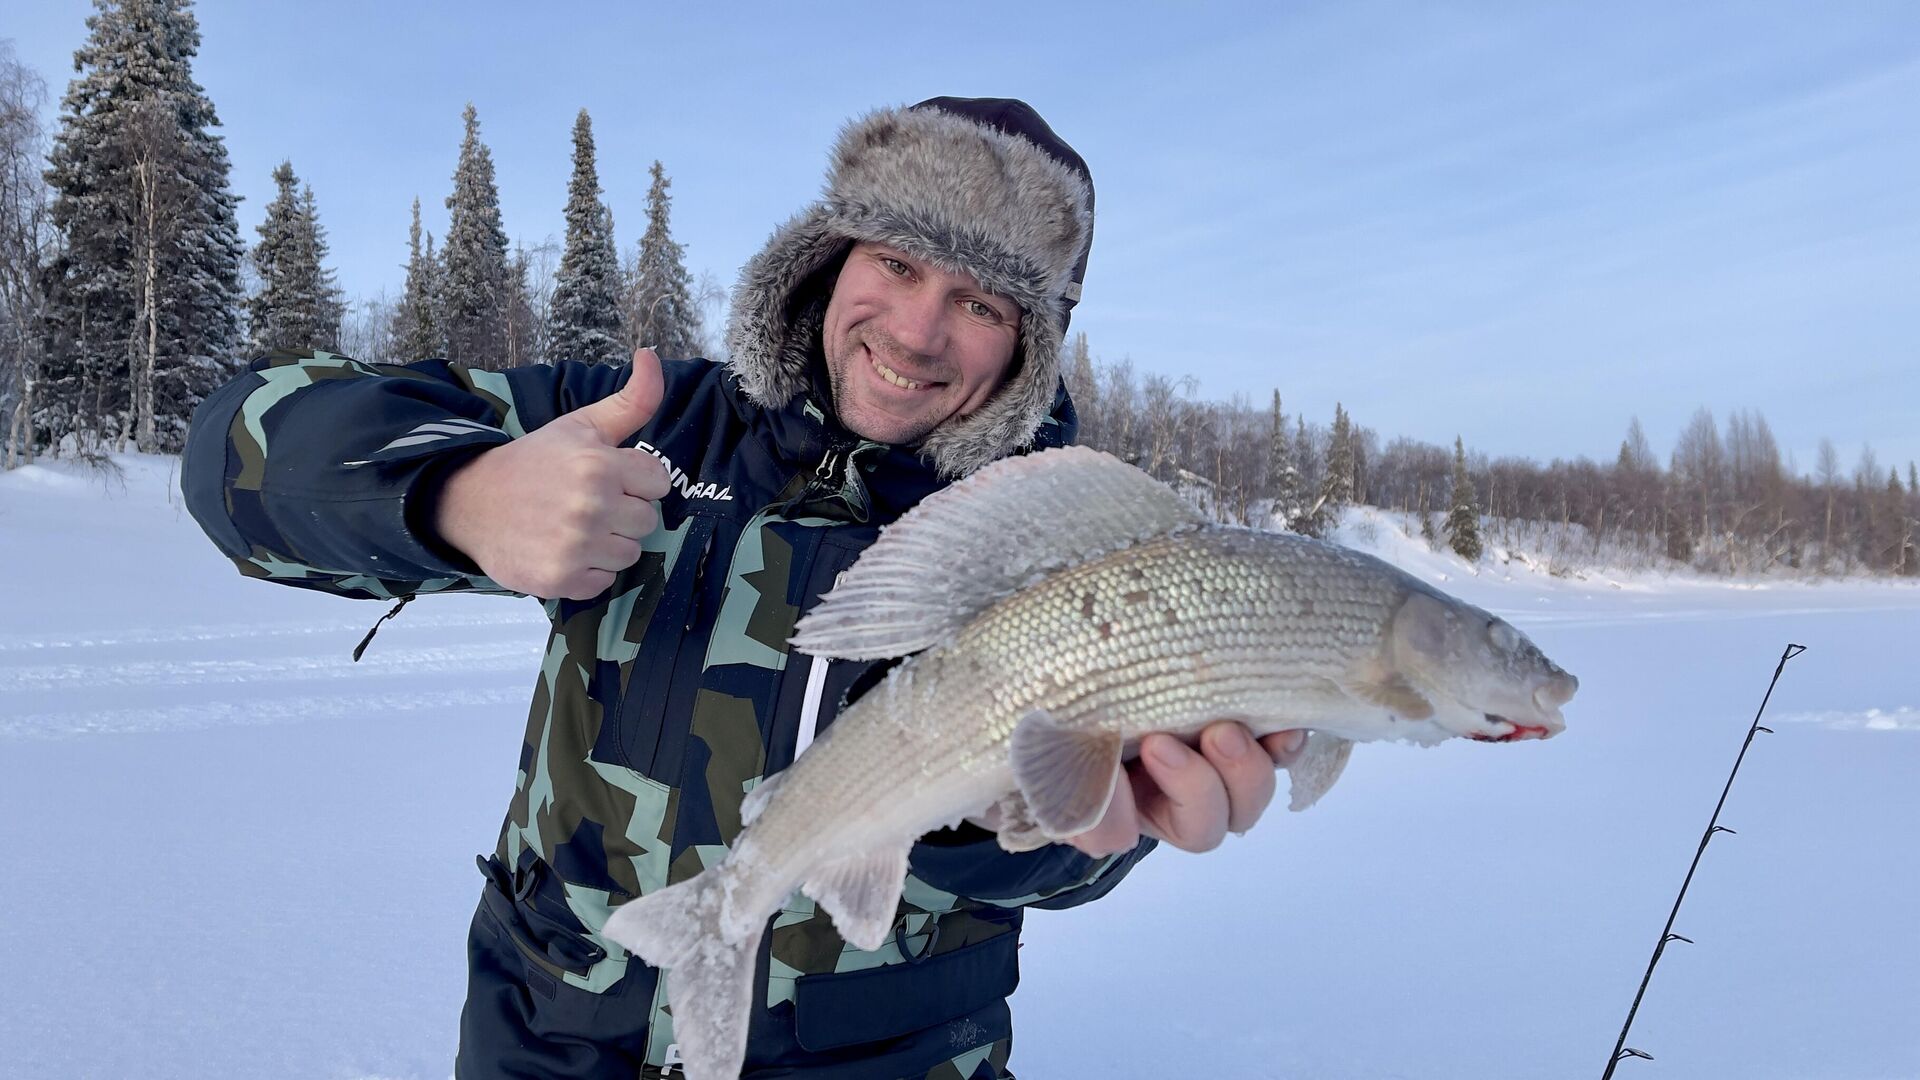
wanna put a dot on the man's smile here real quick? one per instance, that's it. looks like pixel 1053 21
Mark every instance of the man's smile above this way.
pixel 894 378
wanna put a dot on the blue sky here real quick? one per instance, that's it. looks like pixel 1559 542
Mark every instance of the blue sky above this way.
pixel 1521 223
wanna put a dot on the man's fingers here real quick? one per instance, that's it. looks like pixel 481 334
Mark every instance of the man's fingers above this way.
pixel 632 518
pixel 643 476
pixel 1284 747
pixel 1190 810
pixel 612 553
pixel 1245 769
pixel 586 585
pixel 615 419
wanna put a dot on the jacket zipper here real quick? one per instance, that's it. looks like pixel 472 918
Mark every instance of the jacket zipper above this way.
pixel 642 728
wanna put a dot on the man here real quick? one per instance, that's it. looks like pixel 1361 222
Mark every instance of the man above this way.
pixel 898 334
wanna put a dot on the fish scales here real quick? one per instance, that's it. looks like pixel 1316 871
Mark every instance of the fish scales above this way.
pixel 1180 632
pixel 1037 670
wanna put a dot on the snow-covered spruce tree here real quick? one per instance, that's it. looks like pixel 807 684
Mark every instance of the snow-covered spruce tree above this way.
pixel 418 331
pixel 330 304
pixel 1463 520
pixel 1283 474
pixel 1675 528
pixel 148 232
pixel 660 310
pixel 523 336
pixel 474 294
pixel 298 306
pixel 585 319
pixel 1310 521
pixel 1336 480
pixel 1896 542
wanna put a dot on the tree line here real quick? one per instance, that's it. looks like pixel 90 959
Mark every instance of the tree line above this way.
pixel 127 295
pixel 1726 500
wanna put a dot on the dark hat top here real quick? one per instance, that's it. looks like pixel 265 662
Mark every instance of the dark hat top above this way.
pixel 1016 117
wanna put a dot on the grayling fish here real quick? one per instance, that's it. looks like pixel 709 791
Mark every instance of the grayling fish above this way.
pixel 1062 606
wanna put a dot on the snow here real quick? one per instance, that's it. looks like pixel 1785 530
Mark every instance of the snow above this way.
pixel 236 853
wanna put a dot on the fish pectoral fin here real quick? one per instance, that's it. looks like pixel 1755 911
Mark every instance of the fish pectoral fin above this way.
pixel 1377 684
pixel 1012 824
pixel 1066 775
pixel 1314 771
pixel 862 893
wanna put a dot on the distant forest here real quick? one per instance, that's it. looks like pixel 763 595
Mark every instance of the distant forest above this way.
pixel 1724 502
pixel 127 293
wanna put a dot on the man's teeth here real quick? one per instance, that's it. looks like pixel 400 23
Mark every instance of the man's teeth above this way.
pixel 895 377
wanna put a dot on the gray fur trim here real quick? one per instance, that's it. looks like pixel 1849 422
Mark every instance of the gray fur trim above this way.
pixel 964 196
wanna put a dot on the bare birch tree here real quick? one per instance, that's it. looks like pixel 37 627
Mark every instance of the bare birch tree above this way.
pixel 26 244
pixel 156 157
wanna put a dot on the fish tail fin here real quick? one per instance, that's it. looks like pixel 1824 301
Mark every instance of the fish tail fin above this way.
pixel 683 930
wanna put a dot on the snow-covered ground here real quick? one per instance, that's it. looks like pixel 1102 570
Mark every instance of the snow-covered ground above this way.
pixel 235 853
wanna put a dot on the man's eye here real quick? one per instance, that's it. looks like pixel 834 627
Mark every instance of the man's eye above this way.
pixel 983 310
pixel 894 266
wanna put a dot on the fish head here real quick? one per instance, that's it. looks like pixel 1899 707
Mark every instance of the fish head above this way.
pixel 1484 678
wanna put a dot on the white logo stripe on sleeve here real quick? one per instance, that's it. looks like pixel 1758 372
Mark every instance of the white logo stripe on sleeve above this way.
pixel 457 426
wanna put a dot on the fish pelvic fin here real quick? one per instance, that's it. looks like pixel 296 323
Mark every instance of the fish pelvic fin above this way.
pixel 709 973
pixel 862 893
pixel 1066 775
pixel 1012 824
pixel 1315 769
pixel 980 541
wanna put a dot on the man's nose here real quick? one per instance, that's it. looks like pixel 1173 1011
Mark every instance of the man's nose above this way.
pixel 919 323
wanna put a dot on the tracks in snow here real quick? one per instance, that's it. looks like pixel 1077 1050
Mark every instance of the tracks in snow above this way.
pixel 156 679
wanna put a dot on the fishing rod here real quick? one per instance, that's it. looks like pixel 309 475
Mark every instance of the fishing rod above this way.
pixel 1621 1050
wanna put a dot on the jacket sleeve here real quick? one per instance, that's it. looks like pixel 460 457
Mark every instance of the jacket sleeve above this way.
pixel 968 861
pixel 317 470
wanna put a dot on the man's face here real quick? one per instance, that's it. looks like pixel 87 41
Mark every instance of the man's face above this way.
pixel 910 346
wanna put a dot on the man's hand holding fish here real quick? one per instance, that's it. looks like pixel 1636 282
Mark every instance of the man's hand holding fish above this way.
pixel 1192 798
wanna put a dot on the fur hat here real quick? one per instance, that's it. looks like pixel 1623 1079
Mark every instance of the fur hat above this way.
pixel 974 186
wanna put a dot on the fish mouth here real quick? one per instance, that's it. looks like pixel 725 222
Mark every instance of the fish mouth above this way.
pixel 1513 730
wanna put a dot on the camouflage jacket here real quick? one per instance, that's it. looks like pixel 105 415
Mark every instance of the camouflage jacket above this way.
pixel 662 701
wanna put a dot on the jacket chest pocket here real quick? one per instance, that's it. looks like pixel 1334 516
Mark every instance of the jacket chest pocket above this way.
pixel 714 700
pixel 646 728
pixel 813 689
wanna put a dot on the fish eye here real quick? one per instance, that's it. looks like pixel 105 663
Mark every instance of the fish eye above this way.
pixel 1501 634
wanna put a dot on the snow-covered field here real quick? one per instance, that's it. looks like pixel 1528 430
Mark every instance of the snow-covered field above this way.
pixel 235 853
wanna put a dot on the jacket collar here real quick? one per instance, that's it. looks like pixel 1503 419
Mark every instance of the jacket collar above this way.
pixel 878 482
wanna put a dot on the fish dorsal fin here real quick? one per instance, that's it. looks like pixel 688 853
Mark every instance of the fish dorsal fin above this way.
pixel 1319 764
pixel 1066 775
pixel 862 893
pixel 982 540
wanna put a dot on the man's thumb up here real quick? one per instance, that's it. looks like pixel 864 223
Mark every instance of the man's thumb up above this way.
pixel 615 419
pixel 561 511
